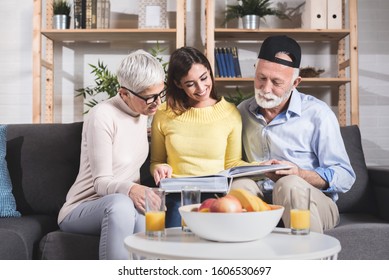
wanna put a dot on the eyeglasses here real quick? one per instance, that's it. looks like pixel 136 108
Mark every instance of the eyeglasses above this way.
pixel 149 99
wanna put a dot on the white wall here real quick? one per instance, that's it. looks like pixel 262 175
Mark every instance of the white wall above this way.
pixel 72 70
pixel 373 23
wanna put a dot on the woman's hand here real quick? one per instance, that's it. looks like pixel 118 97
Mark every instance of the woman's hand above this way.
pixel 162 171
pixel 137 195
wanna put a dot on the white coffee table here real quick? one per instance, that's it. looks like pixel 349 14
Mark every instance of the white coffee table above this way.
pixel 280 244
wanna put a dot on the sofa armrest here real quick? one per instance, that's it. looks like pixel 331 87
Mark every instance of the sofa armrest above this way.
pixel 379 181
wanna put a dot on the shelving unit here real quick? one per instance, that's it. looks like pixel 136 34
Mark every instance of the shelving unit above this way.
pixel 347 66
pixel 43 56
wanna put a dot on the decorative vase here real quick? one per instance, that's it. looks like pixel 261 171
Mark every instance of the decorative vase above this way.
pixel 61 22
pixel 250 22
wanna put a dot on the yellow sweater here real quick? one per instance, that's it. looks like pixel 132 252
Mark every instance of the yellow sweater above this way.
pixel 201 141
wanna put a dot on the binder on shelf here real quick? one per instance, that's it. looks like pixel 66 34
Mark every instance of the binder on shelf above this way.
pixel 314 15
pixel 334 14
pixel 235 59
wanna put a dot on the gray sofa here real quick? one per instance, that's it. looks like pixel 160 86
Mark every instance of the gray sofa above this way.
pixel 43 161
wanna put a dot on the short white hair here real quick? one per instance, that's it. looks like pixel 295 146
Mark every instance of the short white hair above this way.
pixel 139 71
pixel 296 71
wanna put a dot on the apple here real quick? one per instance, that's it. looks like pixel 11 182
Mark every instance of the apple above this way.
pixel 206 205
pixel 226 204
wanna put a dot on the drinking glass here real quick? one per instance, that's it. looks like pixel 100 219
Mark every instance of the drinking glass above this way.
pixel 155 212
pixel 189 195
pixel 300 199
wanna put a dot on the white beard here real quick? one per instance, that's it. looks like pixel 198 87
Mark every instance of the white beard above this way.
pixel 270 100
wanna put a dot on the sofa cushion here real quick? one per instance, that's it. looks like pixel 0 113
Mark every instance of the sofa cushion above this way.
pixel 43 162
pixel 359 199
pixel 7 200
pixel 27 231
pixel 362 237
pixel 11 246
pixel 59 245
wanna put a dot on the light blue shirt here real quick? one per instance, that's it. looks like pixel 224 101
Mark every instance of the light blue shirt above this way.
pixel 306 134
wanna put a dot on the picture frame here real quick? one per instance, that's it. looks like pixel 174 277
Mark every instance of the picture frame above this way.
pixel 152 14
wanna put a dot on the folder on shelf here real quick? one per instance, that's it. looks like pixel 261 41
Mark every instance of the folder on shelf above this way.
pixel 314 15
pixel 334 14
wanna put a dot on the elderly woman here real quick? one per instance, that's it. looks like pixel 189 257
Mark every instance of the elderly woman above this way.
pixel 107 198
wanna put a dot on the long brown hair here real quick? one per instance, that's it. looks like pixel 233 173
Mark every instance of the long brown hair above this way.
pixel 180 63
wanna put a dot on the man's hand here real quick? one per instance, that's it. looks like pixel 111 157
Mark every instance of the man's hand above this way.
pixel 308 175
pixel 162 171
pixel 274 176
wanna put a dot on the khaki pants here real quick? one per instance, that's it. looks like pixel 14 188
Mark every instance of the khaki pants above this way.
pixel 324 212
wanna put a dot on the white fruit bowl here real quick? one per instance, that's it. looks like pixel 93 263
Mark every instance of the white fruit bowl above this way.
pixel 231 227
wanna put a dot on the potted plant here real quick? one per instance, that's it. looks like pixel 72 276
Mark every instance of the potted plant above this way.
pixel 61 14
pixel 251 11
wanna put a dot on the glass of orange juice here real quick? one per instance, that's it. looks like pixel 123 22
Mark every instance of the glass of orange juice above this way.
pixel 189 195
pixel 155 212
pixel 300 216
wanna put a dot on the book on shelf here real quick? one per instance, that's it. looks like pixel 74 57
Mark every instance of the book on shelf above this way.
pixel 220 63
pixel 221 182
pixel 227 62
pixel 230 62
pixel 94 14
pixel 235 59
pixel 88 14
pixel 91 14
pixel 77 10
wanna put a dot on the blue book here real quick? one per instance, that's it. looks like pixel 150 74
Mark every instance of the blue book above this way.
pixel 225 61
pixel 235 59
pixel 221 63
pixel 230 62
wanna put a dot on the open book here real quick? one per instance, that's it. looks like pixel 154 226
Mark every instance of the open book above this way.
pixel 220 182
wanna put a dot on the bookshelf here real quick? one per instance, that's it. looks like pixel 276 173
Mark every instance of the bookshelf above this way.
pixel 347 68
pixel 44 38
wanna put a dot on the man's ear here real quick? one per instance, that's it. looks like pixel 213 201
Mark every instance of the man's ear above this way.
pixel 297 81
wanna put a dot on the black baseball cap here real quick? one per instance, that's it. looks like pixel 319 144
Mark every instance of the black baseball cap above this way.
pixel 281 43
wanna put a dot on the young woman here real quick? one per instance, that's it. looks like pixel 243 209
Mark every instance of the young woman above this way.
pixel 107 198
pixel 195 132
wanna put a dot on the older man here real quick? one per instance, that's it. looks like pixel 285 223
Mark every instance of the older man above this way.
pixel 282 125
